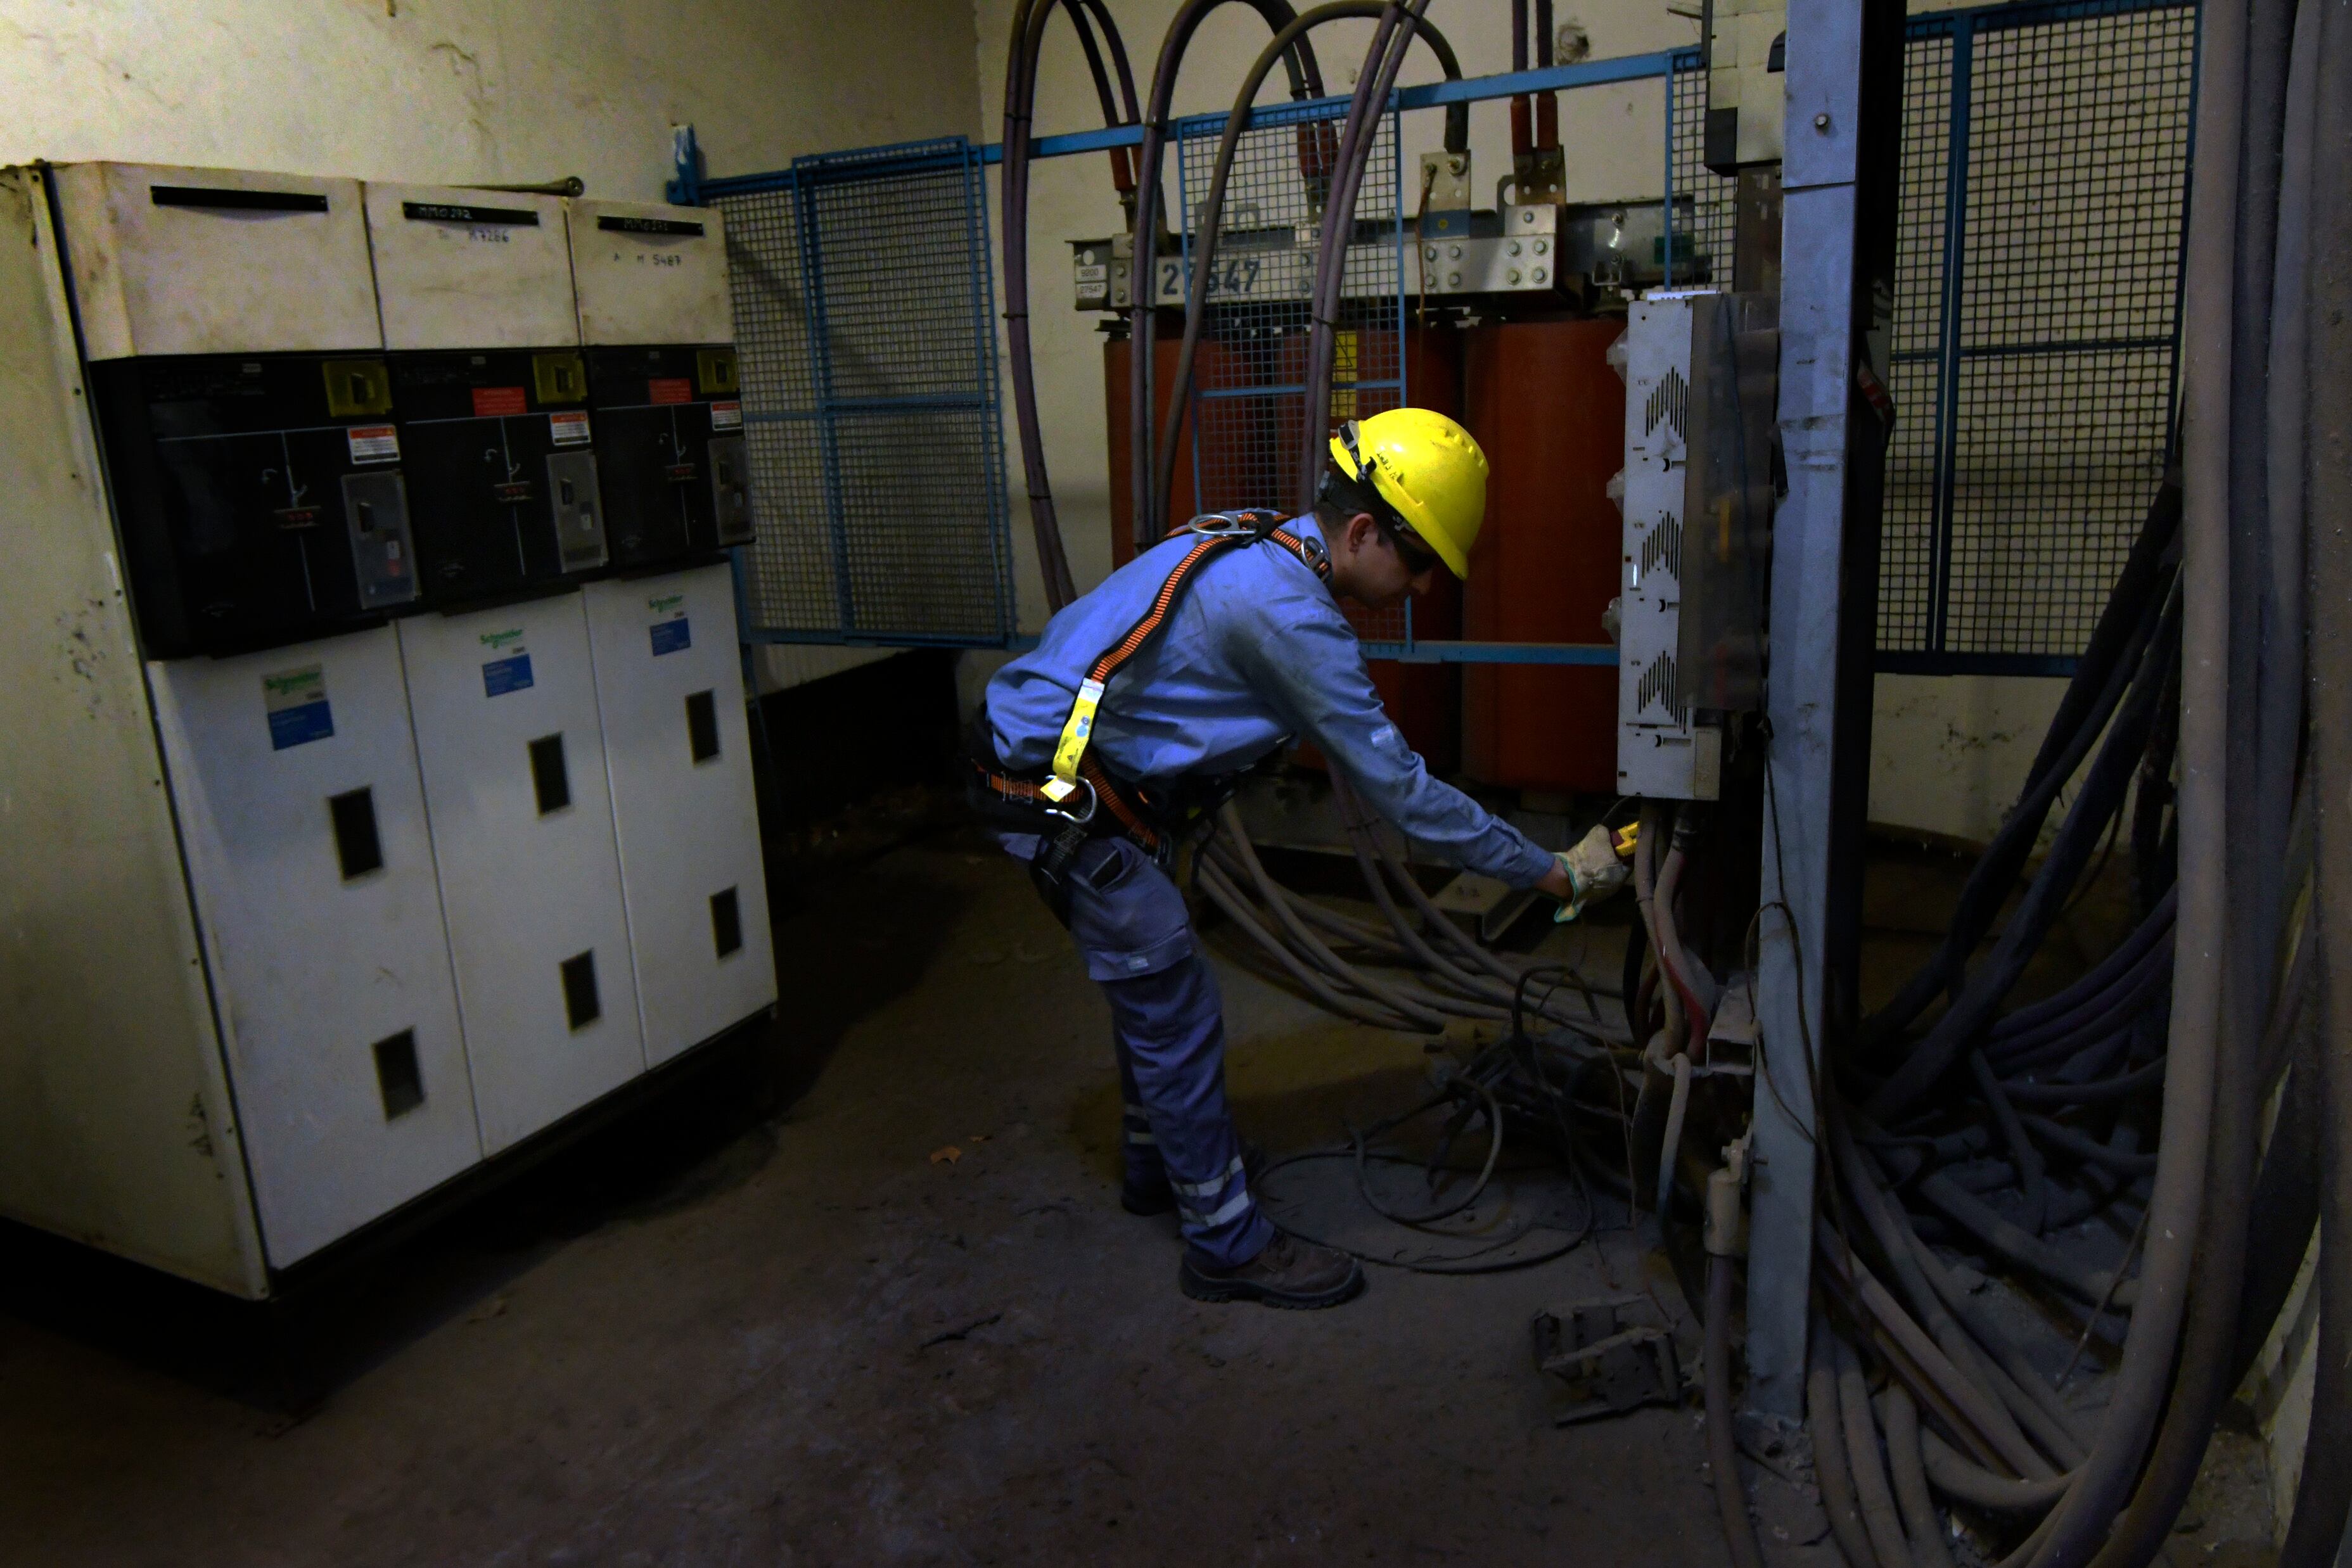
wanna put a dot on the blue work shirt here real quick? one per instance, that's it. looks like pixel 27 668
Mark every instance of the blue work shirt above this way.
pixel 1257 654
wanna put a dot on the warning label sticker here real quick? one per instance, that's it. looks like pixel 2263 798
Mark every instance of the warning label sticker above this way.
pixel 725 416
pixel 568 429
pixel 373 443
pixel 296 703
pixel 493 403
pixel 669 389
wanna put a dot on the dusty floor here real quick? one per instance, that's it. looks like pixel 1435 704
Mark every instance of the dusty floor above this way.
pixel 761 1323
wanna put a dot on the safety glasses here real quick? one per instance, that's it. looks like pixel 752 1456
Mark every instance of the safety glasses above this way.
pixel 1417 557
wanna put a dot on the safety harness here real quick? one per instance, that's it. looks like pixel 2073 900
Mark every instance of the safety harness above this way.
pixel 1047 804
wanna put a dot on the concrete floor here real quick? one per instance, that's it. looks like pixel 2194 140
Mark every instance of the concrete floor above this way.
pixel 769 1319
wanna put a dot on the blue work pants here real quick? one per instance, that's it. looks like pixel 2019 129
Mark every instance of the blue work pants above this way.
pixel 1168 1026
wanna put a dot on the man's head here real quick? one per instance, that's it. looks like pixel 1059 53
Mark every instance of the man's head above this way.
pixel 1404 496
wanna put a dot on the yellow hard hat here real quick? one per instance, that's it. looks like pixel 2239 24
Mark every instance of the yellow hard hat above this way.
pixel 1428 469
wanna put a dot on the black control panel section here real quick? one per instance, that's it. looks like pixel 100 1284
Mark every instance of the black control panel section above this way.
pixel 669 447
pixel 502 476
pixel 261 497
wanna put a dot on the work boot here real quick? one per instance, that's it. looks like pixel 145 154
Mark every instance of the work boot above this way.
pixel 1151 1199
pixel 1289 1273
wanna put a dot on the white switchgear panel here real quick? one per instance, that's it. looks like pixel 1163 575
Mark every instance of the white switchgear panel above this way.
pixel 1660 752
pixel 294 775
pixel 513 756
pixel 466 269
pixel 650 273
pixel 217 261
pixel 306 914
pixel 669 677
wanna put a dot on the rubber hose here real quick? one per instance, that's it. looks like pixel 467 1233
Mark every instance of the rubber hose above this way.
pixel 1229 819
pixel 2285 1211
pixel 1211 212
pixel 2101 796
pixel 1964 1482
pixel 1697 987
pixel 1829 1449
pixel 1306 81
pixel 1029 21
pixel 1884 1225
pixel 2202 810
pixel 1879 1518
pixel 2030 1172
pixel 1974 1414
pixel 2090 696
pixel 2067 1141
pixel 2320 1495
pixel 2089 1093
pixel 2025 1027
pixel 2058 1430
pixel 1228 898
pixel 1379 75
pixel 1920 1521
pixel 2025 1250
pixel 1722 1450
pixel 2202 1382
pixel 1670 1147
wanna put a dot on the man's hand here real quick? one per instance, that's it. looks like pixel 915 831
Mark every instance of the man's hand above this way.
pixel 1585 874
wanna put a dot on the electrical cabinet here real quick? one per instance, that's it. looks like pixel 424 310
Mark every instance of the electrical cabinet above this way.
pixel 513 758
pixel 670 685
pixel 331 873
pixel 237 375
pixel 294 776
pixel 656 325
pixel 483 334
pixel 1661 753
pixel 169 261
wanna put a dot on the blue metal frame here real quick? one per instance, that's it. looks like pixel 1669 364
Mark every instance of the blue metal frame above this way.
pixel 807 175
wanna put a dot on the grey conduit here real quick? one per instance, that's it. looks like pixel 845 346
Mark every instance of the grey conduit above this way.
pixel 1212 214
pixel 2080 1521
pixel 1838 1500
pixel 2321 1495
pixel 1879 1520
pixel 1722 1450
pixel 1965 1481
pixel 1382 64
pixel 1306 81
pixel 1921 1521
pixel 1029 19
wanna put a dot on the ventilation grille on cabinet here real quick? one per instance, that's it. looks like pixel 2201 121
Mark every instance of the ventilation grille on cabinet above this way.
pixel 1667 401
pixel 1658 684
pixel 1662 548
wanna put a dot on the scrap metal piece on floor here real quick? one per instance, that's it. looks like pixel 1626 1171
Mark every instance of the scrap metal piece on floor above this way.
pixel 1606 1356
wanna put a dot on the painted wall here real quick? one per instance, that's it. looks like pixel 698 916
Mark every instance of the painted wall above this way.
pixel 449 92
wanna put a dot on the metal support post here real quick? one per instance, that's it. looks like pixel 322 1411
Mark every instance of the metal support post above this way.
pixel 1843 138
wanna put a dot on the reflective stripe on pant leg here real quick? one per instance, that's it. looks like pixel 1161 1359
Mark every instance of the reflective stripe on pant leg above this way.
pixel 1145 1174
pixel 1172 1023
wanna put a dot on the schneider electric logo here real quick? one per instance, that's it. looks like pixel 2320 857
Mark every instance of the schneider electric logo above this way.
pixel 667 601
pixel 494 640
pixel 287 684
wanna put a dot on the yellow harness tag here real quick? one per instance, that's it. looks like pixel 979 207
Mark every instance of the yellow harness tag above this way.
pixel 1075 732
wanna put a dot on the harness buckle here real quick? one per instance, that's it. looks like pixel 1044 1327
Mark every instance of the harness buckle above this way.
pixel 1055 809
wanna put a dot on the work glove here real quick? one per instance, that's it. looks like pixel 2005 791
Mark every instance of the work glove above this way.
pixel 1595 867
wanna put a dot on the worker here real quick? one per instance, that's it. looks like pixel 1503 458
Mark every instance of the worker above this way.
pixel 1142 702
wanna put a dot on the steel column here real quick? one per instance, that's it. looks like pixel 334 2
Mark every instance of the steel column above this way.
pixel 1843 157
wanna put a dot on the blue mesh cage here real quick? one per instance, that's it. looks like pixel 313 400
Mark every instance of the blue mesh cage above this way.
pixel 2034 360
pixel 863 293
